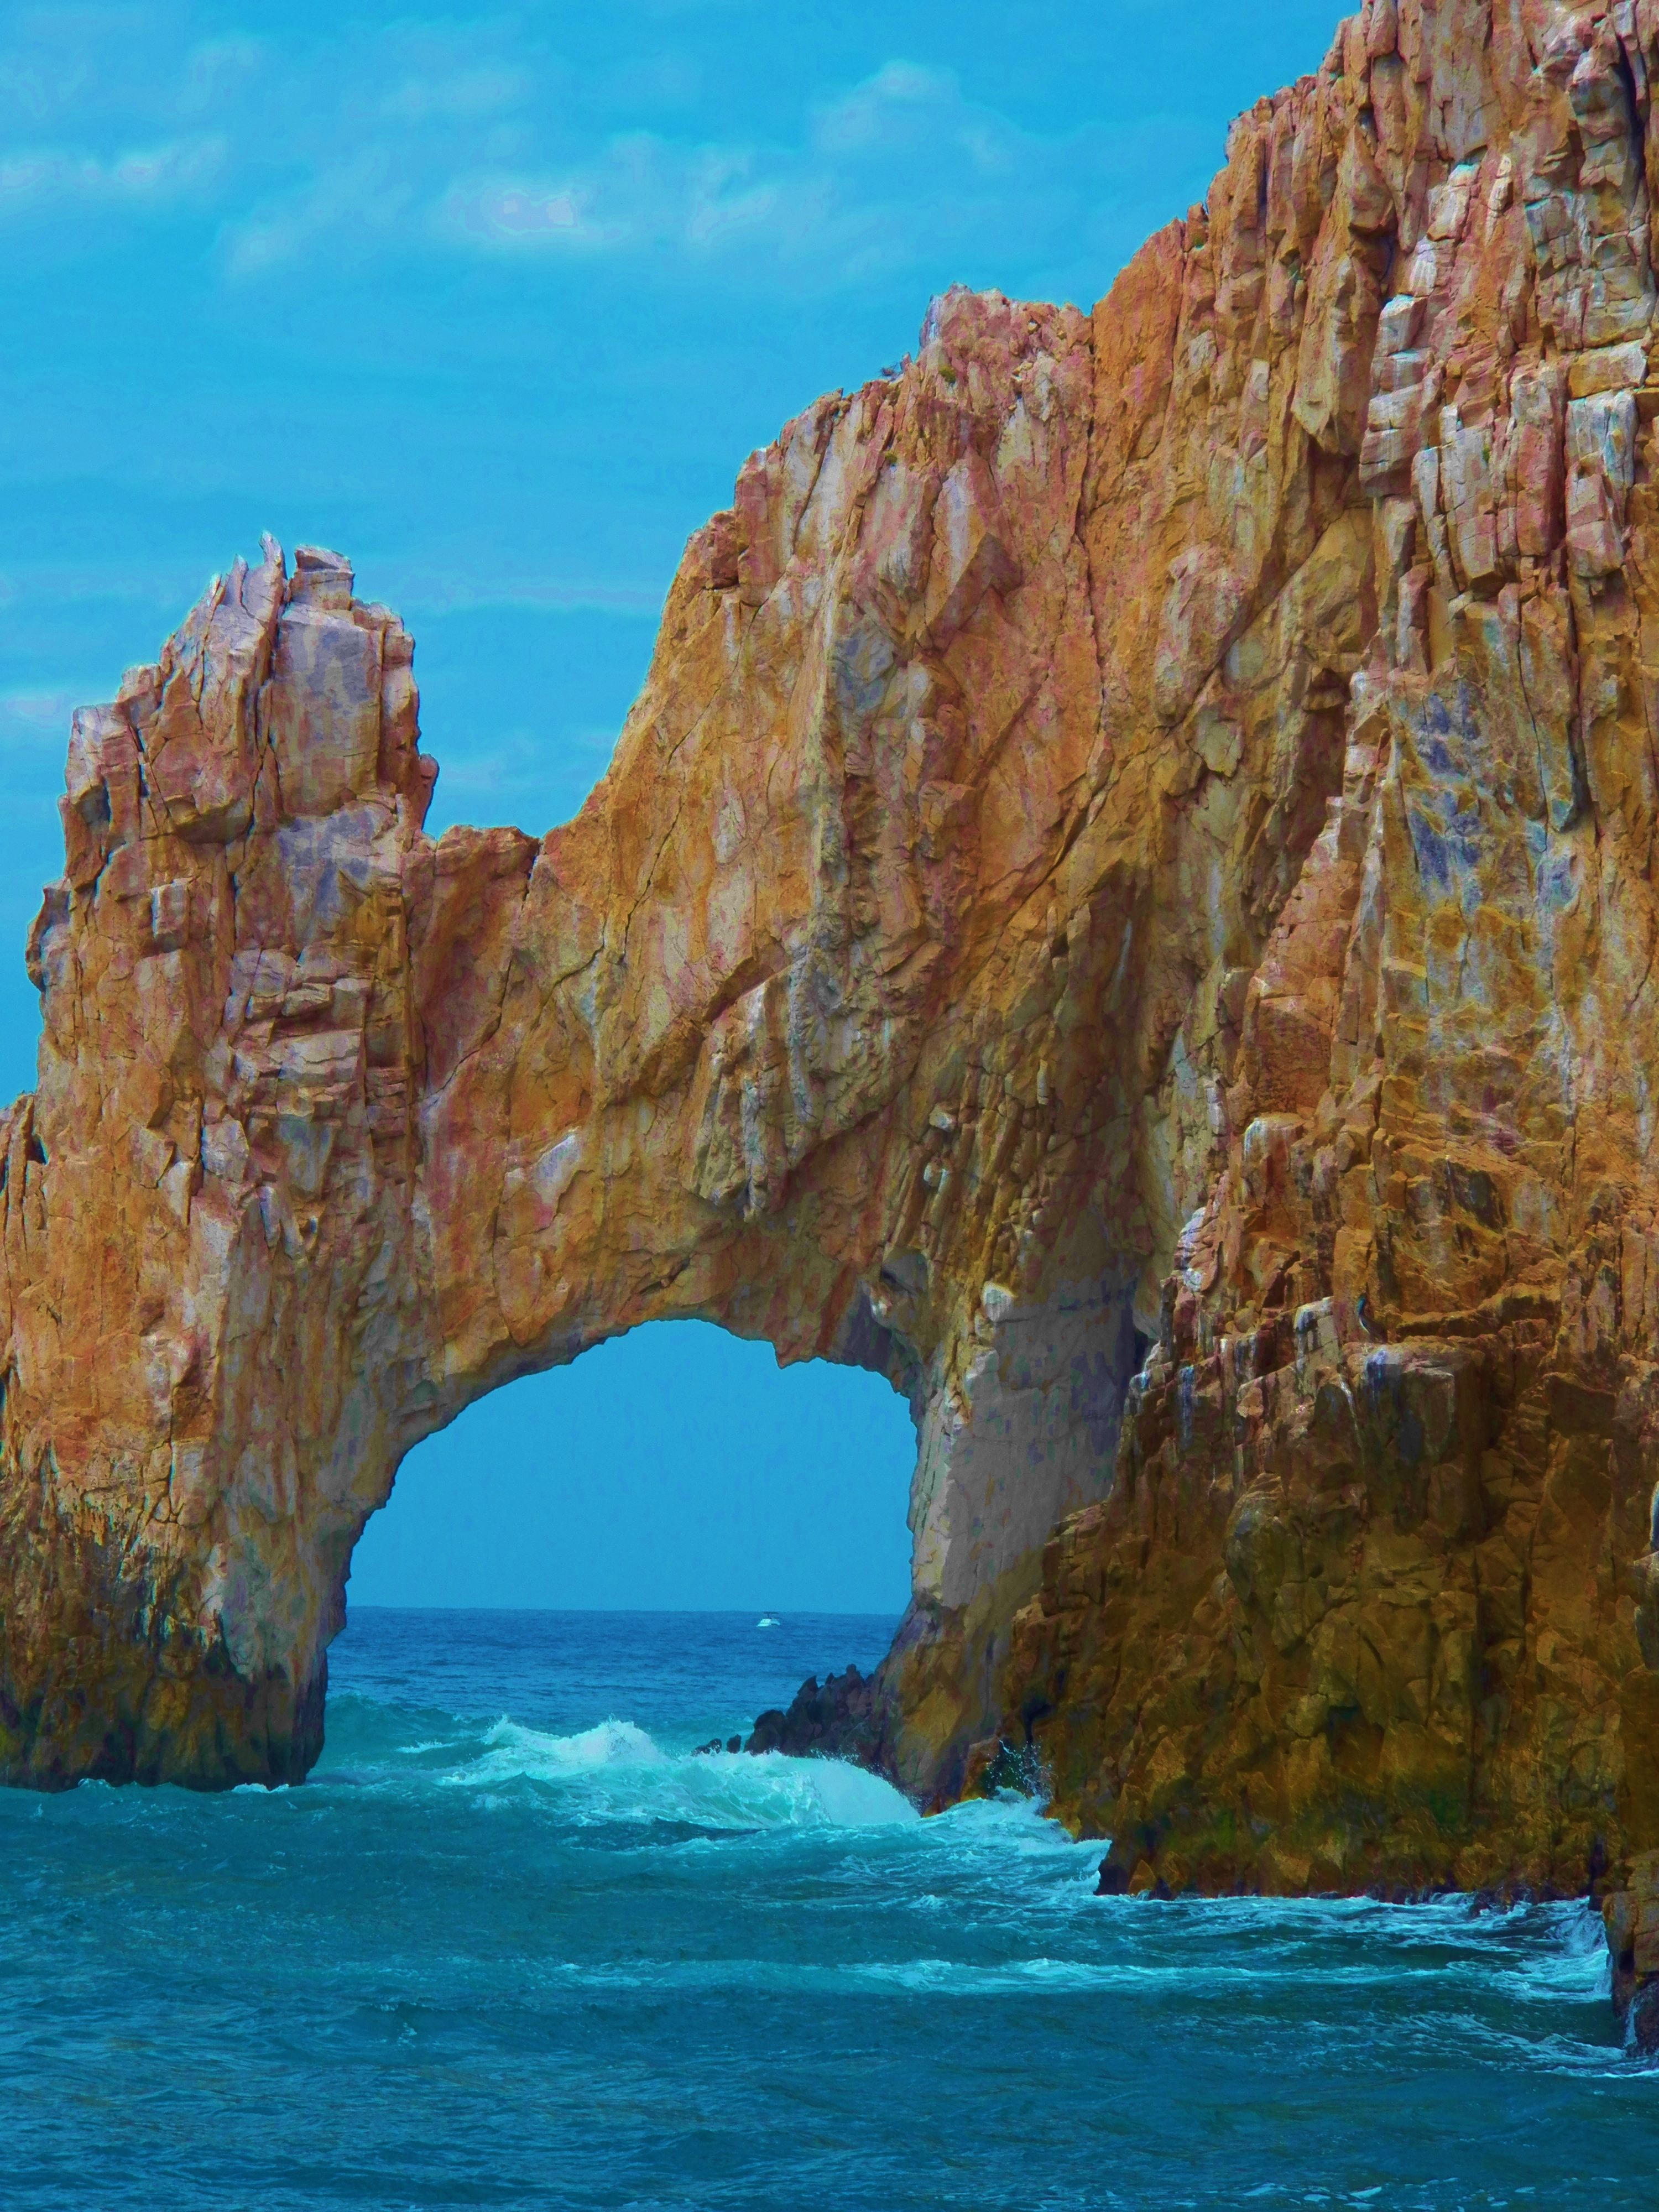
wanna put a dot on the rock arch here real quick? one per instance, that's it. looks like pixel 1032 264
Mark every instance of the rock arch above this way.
pixel 876 1004
pixel 1127 905
pixel 795 1028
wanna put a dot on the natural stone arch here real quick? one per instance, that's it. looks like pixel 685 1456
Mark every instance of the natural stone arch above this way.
pixel 827 1019
pixel 1138 827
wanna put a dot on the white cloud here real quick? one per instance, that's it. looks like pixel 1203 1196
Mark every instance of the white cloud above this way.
pixel 477 136
pixel 534 779
pixel 863 119
pixel 472 94
pixel 39 84
pixel 217 70
pixel 446 591
pixel 535 209
pixel 41 583
pixel 363 195
pixel 641 192
pixel 880 176
pixel 51 176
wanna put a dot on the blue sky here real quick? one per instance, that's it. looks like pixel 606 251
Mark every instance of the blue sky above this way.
pixel 496 302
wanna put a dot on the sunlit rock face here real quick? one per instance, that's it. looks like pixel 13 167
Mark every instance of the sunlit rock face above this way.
pixel 1125 905
pixel 1372 1600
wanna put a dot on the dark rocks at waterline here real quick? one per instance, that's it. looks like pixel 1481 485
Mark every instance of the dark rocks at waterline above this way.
pixel 836 1722
pixel 1125 1873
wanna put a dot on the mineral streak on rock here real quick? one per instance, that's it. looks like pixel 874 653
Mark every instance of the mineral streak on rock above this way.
pixel 1126 905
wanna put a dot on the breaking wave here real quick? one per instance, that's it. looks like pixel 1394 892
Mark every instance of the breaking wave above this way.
pixel 616 1772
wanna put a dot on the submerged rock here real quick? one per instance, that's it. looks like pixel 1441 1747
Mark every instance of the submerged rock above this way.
pixel 1126 905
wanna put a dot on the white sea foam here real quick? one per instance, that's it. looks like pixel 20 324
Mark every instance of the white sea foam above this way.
pixel 514 1750
pixel 615 1772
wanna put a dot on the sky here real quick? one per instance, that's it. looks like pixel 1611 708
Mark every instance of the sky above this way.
pixel 496 302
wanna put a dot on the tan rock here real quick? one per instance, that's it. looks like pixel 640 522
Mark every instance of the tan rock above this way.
pixel 1126 905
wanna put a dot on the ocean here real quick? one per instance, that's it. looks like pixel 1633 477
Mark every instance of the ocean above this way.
pixel 516 1944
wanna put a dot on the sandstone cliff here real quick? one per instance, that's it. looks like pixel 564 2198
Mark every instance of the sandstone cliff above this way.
pixel 1126 905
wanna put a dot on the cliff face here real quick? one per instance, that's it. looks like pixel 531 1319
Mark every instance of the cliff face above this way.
pixel 1373 1598
pixel 1126 905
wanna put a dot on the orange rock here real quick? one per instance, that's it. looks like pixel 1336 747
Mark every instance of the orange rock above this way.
pixel 1126 905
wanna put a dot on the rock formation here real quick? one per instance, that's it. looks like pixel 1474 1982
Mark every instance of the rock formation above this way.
pixel 1126 905
pixel 1631 1917
pixel 840 1720
pixel 1372 1601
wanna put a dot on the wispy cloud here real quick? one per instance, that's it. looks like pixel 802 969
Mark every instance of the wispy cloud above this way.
pixel 34 177
pixel 478 137
pixel 639 192
pixel 447 593
pixel 367 194
pixel 867 118
pixel 532 778
pixel 472 94
pixel 36 721
pixel 877 179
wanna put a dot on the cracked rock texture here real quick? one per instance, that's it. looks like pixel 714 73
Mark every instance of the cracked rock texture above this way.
pixel 1126 905
pixel 1373 1599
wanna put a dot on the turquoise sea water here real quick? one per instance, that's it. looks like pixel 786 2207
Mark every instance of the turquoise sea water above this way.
pixel 513 1945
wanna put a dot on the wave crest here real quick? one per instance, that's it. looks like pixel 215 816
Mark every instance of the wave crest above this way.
pixel 614 1772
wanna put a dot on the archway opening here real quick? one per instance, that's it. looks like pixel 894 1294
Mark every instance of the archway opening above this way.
pixel 675 1468
pixel 637 1554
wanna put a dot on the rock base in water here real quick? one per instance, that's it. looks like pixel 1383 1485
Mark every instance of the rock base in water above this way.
pixel 1629 1915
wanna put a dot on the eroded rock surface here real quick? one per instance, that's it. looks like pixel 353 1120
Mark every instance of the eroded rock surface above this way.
pixel 1372 1601
pixel 1126 905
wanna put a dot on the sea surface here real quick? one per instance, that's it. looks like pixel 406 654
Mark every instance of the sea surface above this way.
pixel 514 1944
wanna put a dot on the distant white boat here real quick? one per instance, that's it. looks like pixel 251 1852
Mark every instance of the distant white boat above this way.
pixel 766 1620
